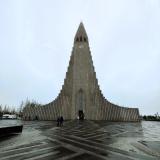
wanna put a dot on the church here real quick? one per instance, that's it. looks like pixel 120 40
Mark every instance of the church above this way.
pixel 80 96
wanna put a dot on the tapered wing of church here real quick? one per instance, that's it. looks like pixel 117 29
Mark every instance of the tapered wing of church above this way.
pixel 80 96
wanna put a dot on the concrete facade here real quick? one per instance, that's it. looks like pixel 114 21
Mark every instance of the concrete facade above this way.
pixel 81 91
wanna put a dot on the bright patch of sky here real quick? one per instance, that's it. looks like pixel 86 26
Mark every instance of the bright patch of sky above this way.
pixel 36 39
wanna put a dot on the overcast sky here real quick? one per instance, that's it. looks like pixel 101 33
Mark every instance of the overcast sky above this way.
pixel 36 40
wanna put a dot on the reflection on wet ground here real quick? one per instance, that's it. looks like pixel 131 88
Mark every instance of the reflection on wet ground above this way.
pixel 85 140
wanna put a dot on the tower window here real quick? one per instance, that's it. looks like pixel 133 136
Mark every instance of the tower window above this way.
pixel 85 39
pixel 77 39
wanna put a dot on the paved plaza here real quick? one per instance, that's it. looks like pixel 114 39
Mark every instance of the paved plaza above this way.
pixel 83 140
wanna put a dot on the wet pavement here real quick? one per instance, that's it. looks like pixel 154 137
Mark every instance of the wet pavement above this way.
pixel 85 140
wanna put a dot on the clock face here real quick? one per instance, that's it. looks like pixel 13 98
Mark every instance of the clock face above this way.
pixel 81 46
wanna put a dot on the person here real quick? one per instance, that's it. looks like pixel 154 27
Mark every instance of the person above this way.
pixel 61 121
pixel 58 121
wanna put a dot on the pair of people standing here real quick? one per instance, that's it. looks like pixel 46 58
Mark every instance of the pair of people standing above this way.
pixel 60 121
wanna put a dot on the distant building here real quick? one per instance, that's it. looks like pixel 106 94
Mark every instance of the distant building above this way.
pixel 9 116
pixel 80 96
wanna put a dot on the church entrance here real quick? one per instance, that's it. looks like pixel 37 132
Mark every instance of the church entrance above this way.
pixel 80 104
pixel 81 115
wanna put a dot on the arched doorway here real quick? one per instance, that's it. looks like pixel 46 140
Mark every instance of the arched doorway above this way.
pixel 80 104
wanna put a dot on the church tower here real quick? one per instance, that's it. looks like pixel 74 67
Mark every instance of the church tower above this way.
pixel 80 96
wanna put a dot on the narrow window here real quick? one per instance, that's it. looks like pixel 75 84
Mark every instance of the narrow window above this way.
pixel 85 39
pixel 77 39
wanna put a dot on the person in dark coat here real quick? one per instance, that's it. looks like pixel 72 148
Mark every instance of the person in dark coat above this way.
pixel 61 121
pixel 58 121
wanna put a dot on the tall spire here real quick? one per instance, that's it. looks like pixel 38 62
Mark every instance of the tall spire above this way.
pixel 81 95
pixel 81 35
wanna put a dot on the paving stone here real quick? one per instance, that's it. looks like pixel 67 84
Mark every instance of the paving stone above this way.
pixel 87 140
